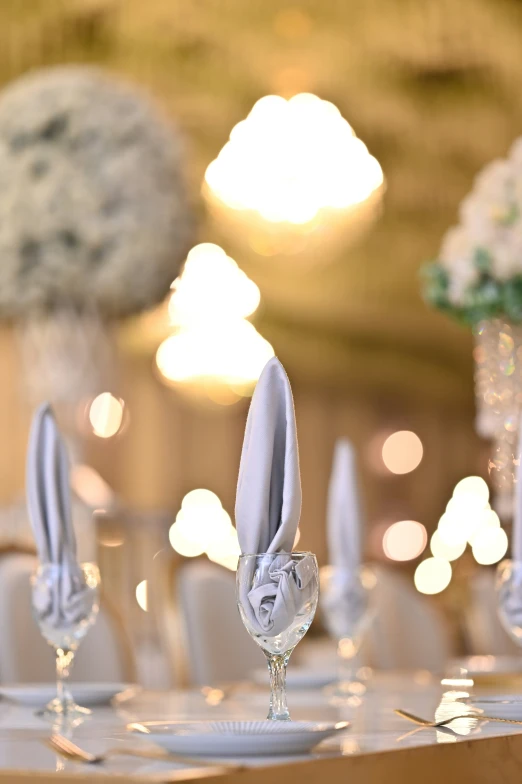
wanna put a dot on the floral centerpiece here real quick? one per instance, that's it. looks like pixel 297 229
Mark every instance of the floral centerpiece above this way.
pixel 478 280
pixel 94 218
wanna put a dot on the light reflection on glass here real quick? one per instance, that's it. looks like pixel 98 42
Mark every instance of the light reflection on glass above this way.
pixel 106 415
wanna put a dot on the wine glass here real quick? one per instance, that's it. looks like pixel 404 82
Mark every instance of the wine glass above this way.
pixel 348 613
pixel 509 597
pixel 277 597
pixel 65 601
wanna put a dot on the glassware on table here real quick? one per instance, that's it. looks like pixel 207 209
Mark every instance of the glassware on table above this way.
pixel 348 613
pixel 277 648
pixel 509 597
pixel 65 606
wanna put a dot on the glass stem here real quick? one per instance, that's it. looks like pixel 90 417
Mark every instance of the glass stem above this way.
pixel 63 665
pixel 277 668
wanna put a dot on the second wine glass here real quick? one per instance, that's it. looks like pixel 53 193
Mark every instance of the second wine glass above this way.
pixel 65 605
pixel 285 569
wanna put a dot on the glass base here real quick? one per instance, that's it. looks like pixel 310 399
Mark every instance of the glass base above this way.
pixel 66 708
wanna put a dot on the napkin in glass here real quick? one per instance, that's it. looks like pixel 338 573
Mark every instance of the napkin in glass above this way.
pixel 49 507
pixel 268 506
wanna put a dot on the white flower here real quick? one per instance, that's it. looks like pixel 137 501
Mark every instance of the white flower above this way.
pixel 93 211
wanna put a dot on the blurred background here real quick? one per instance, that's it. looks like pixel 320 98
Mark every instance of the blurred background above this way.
pixel 431 89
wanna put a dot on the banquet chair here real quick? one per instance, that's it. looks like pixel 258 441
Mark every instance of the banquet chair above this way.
pixel 218 647
pixel 25 657
pixel 408 632
pixel 485 635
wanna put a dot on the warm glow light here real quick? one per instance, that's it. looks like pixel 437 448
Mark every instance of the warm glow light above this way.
pixel 232 352
pixel 490 545
pixel 291 158
pixel 211 287
pixel 202 525
pixel 142 595
pixel 402 452
pixel 440 549
pixel 472 485
pixel 214 348
pixel 467 512
pixel 106 415
pixel 90 487
pixel 404 540
pixel 432 575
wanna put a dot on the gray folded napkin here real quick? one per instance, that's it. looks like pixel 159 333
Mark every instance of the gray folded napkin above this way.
pixel 64 600
pixel 268 507
pixel 344 601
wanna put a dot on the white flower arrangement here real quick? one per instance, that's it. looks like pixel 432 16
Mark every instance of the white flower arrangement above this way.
pixel 478 274
pixel 93 209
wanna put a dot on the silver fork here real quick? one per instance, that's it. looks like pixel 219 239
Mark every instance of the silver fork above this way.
pixel 427 723
pixel 69 750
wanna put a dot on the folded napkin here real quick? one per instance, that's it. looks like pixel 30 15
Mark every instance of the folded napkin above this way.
pixel 268 507
pixel 516 536
pixel 344 600
pixel 65 601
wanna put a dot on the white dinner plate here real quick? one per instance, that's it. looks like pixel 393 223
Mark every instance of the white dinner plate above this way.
pixel 299 677
pixel 499 706
pixel 87 694
pixel 237 738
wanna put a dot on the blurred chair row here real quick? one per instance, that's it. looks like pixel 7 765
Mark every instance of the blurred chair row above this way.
pixel 203 636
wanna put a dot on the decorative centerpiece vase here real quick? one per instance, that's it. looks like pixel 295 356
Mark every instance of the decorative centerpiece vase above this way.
pixel 477 278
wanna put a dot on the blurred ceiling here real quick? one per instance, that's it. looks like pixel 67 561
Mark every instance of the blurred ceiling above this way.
pixel 432 88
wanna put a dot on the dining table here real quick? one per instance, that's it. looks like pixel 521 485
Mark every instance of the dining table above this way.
pixel 376 746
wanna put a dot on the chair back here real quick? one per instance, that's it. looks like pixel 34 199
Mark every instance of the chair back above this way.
pixel 218 647
pixel 408 632
pixel 25 657
pixel 484 632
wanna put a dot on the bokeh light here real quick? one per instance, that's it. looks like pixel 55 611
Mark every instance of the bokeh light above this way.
pixel 440 549
pixel 203 526
pixel 106 415
pixel 472 485
pixel 402 452
pixel 214 352
pixel 490 545
pixel 405 540
pixel 466 513
pixel 432 575
pixel 291 158
pixel 142 595
pixel 211 287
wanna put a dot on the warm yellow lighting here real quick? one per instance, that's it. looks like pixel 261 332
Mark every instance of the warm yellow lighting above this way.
pixel 202 525
pixel 211 287
pixel 402 452
pixel 449 552
pixel 289 159
pixel 490 545
pixel 90 487
pixel 142 596
pixel 200 498
pixel 231 352
pixel 404 541
pixel 106 415
pixel 214 350
pixel 297 538
pixel 472 485
pixel 486 519
pixel 432 575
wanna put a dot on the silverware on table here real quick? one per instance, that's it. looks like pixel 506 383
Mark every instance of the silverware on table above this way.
pixel 426 723
pixel 69 750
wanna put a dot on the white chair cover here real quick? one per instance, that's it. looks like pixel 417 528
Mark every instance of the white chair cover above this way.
pixel 218 647
pixel 25 657
pixel 408 632
pixel 484 632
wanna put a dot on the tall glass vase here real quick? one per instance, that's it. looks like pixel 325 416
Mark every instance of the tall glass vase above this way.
pixel 498 389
